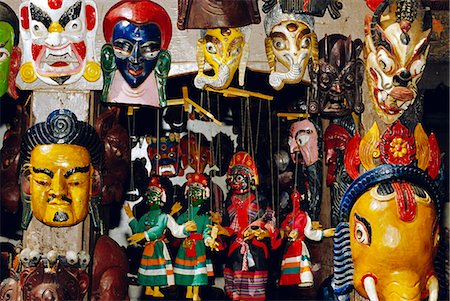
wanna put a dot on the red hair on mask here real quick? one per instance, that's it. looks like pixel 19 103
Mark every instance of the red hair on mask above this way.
pixel 138 12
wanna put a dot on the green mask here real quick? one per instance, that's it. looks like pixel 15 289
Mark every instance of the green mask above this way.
pixel 6 45
pixel 154 197
pixel 196 195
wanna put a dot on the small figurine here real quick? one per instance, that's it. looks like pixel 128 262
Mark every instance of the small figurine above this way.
pixel 156 268
pixel 192 268
pixel 296 264
pixel 249 224
pixel 10 53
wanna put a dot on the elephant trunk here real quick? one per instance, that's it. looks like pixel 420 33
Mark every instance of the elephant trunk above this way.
pixel 217 81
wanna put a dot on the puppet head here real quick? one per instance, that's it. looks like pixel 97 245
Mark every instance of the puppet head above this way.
pixel 242 175
pixel 60 162
pixel 303 138
pixel 195 152
pixel 338 85
pixel 165 160
pixel 10 54
pixel 396 50
pixel 197 188
pixel 292 42
pixel 226 50
pixel 59 41
pixel 155 195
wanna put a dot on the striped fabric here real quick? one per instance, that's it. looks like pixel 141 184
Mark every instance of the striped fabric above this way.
pixel 296 266
pixel 245 285
pixel 193 270
pixel 156 266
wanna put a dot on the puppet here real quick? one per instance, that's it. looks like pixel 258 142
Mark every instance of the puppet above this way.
pixel 296 263
pixel 165 155
pixel 304 143
pixel 10 54
pixel 58 41
pixel 156 268
pixel 135 62
pixel 192 268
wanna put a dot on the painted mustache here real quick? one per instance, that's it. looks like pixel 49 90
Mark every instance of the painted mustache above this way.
pixel 64 198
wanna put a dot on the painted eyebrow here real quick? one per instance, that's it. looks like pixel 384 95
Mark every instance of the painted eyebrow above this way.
pixel 40 15
pixel 71 14
pixel 3 44
pixel 71 171
pixel 366 223
pixel 44 171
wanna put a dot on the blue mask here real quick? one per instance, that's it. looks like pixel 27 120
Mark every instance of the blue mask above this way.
pixel 136 49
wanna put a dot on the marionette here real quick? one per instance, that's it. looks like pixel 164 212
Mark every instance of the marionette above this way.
pixel 165 155
pixel 304 143
pixel 292 42
pixel 60 160
pixel 116 159
pixel 396 50
pixel 226 50
pixel 202 14
pixel 397 201
pixel 337 86
pixel 195 151
pixel 135 61
pixel 156 268
pixel 192 268
pixel 296 263
pixel 58 41
pixel 10 54
pixel 249 225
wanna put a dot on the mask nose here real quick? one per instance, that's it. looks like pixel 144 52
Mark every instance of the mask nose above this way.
pixel 134 56
pixel 58 188
pixel 403 78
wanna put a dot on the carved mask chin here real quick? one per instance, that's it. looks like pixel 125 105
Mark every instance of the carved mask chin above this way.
pixel 59 41
pixel 222 48
pixel 395 62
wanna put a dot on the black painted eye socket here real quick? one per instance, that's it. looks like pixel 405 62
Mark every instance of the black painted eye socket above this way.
pixel 363 231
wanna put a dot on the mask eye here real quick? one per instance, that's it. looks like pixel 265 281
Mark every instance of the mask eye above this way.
pixel 306 42
pixel 74 26
pixel 38 29
pixel 279 43
pixel 4 54
pixel 362 230
pixel 385 62
pixel 211 48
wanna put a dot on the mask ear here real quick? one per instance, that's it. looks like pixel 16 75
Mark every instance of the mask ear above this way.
pixel 25 192
pixel 270 55
pixel 200 57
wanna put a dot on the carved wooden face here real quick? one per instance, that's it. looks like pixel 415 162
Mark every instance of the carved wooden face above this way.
pixel 58 38
pixel 291 43
pixel 393 236
pixel 60 184
pixel 394 67
pixel 222 48
pixel 340 76
pixel 165 160
pixel 303 138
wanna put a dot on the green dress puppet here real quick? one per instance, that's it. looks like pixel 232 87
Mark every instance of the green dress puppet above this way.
pixel 192 268
pixel 156 268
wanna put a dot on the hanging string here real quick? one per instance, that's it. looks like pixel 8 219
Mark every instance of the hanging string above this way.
pixel 211 151
pixel 258 125
pixel 131 129
pixel 157 141
pixel 278 171
pixel 269 112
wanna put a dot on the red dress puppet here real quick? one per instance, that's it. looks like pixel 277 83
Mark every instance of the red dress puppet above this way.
pixel 296 264
pixel 249 228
